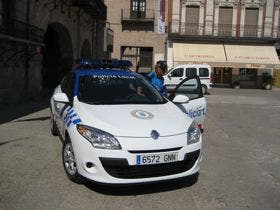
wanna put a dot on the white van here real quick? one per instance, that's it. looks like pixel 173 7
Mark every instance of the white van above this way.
pixel 179 73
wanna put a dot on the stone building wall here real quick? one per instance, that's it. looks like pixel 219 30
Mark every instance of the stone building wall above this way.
pixel 19 79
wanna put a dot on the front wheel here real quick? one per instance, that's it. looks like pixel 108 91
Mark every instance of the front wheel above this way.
pixel 69 162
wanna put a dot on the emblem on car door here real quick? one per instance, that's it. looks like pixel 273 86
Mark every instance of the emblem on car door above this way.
pixel 154 134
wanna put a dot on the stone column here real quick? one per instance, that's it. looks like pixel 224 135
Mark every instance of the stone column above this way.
pixel 216 18
pixel 175 16
pixel 242 18
pixel 209 17
pixel 260 21
pixel 170 61
pixel 201 17
pixel 234 19
pixel 268 18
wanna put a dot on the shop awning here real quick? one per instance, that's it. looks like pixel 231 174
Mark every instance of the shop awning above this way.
pixel 247 56
pixel 226 55
pixel 213 54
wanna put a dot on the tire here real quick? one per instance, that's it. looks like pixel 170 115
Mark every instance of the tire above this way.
pixel 69 163
pixel 204 89
pixel 53 127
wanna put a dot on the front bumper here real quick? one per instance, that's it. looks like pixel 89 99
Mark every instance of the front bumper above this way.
pixel 119 166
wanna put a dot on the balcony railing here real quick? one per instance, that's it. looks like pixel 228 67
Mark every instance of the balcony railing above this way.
pixel 191 28
pixel 225 30
pixel 251 30
pixel 141 16
pixel 220 30
pixel 21 30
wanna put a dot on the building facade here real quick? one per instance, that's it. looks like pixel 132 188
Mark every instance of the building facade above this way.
pixel 238 38
pixel 40 40
pixel 139 31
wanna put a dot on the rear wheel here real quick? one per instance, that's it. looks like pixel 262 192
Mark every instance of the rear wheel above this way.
pixel 69 162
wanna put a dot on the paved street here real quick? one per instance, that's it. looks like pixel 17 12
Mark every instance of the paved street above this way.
pixel 240 169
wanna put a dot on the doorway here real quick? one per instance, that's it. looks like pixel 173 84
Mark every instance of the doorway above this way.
pixel 222 76
pixel 57 54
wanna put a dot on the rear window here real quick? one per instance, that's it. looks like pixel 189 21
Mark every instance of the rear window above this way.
pixel 190 72
pixel 203 72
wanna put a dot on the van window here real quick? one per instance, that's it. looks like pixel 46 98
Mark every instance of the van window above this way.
pixel 177 72
pixel 190 72
pixel 203 72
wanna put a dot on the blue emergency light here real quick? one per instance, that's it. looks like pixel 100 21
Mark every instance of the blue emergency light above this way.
pixel 104 64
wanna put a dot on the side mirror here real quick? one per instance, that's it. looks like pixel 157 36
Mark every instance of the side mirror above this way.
pixel 169 76
pixel 61 98
pixel 181 99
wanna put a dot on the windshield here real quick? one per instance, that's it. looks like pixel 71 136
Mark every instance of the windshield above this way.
pixel 115 89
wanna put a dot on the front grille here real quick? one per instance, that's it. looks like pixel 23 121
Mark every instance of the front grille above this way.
pixel 119 168
pixel 154 151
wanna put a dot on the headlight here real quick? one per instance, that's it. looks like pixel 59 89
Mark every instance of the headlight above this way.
pixel 193 134
pixel 98 138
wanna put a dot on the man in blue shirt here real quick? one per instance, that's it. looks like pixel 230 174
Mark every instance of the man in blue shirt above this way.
pixel 156 77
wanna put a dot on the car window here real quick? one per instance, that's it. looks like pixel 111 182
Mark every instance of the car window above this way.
pixel 107 89
pixel 67 85
pixel 190 72
pixel 177 72
pixel 203 72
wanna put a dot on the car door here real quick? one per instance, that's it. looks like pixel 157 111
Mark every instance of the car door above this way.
pixel 173 78
pixel 196 107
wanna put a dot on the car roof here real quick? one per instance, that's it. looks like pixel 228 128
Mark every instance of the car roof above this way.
pixel 193 65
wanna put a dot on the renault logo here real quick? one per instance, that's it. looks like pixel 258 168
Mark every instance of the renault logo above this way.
pixel 154 134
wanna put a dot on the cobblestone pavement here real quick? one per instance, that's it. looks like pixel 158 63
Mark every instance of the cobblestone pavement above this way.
pixel 240 169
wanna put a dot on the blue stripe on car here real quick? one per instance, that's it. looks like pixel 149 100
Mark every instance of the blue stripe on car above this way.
pixel 71 118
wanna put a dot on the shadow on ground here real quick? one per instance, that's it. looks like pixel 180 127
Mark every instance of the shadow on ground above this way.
pixel 15 111
pixel 140 189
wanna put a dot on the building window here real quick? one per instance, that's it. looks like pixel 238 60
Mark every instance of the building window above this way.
pixel 138 8
pixel 251 22
pixel 192 20
pixel 225 21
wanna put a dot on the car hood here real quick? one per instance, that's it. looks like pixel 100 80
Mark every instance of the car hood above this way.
pixel 135 120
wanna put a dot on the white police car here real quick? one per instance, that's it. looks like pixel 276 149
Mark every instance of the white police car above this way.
pixel 118 129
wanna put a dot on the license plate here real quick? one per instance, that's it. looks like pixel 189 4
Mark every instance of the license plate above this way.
pixel 156 158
